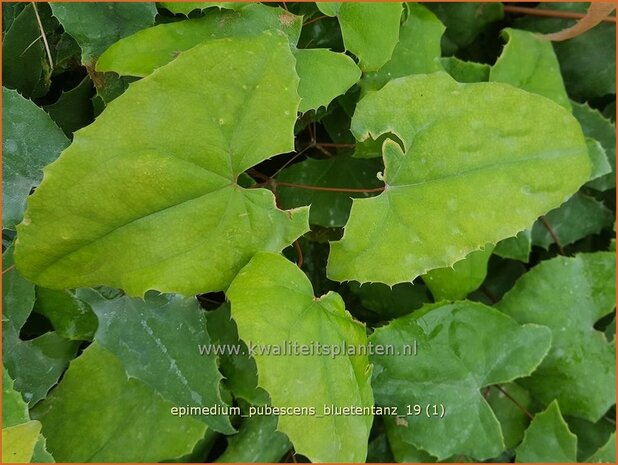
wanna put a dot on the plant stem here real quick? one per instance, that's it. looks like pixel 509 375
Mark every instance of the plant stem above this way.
pixel 552 233
pixel 551 13
pixel 512 399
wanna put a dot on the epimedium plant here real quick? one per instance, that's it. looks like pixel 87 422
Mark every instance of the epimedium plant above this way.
pixel 356 174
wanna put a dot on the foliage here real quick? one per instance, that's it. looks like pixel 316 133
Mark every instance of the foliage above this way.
pixel 191 190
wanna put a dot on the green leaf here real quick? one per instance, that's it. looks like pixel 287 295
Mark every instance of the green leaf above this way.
pixel 73 109
pixel 178 188
pixel 273 304
pixel 30 140
pixel 239 370
pixel 96 26
pixel 578 217
pixel 257 441
pixel 24 63
pixel 18 442
pixel 71 317
pixel 325 75
pixel 138 332
pixel 458 354
pixel 370 30
pixel 606 454
pixel 329 8
pixel 35 364
pixel 417 52
pixel 548 439
pixel 14 409
pixel 598 159
pixel 184 8
pixel 528 162
pixel 387 302
pixel 596 126
pixel 466 71
pixel 529 62
pixel 403 451
pixel 517 247
pixel 136 56
pixel 590 436
pixel 119 419
pixel 464 21
pixel 569 295
pixel 463 277
pixel 328 208
pixel 513 421
pixel 587 61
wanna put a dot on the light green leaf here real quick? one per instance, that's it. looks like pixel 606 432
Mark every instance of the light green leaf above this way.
pixel 184 8
pixel 30 140
pixel 71 317
pixel 157 341
pixel 178 188
pixel 513 420
pixel 96 26
pixel 257 441
pixel 273 304
pixel 607 453
pixel 458 354
pixel 466 71
pixel 548 439
pixel 325 75
pixel 463 277
pixel 598 159
pixel 569 295
pixel 591 437
pixel 329 8
pixel 417 52
pixel 528 161
pixel 403 451
pixel 529 62
pixel 578 217
pixel 370 30
pixel 517 247
pixel 329 209
pixel 587 61
pixel 119 419
pixel 596 126
pixel 18 442
pixel 136 55
pixel 14 409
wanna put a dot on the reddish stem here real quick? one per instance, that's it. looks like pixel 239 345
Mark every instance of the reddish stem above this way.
pixel 550 13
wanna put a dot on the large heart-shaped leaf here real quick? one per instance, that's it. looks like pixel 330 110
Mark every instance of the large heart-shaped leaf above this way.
pixel 462 347
pixel 448 193
pixel 146 197
pixel 274 307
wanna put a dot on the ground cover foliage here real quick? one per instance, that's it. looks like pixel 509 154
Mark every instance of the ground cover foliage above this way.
pixel 426 175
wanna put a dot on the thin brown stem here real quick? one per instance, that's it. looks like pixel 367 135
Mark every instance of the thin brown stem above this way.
pixel 490 295
pixel 551 13
pixel 8 269
pixel 313 20
pixel 43 36
pixel 515 401
pixel 299 254
pixel 552 233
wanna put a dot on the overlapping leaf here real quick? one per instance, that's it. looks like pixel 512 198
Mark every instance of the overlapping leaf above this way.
pixel 273 304
pixel 147 199
pixel 530 159
pixel 30 140
pixel 95 397
pixel 569 295
pixel 457 355
pixel 157 341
